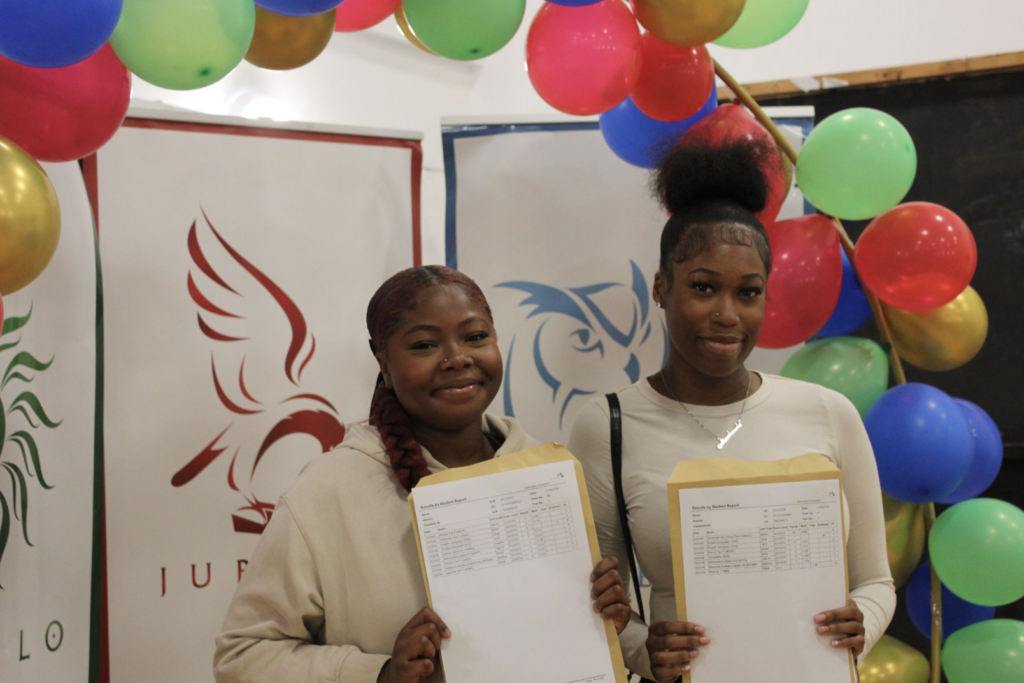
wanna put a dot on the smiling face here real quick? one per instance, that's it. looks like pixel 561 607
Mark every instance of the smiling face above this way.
pixel 442 360
pixel 714 307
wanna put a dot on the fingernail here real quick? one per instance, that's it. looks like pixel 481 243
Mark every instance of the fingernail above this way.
pixel 684 668
pixel 596 607
pixel 823 629
pixel 820 617
pixel 705 640
pixel 835 642
pixel 447 633
pixel 698 629
pixel 694 653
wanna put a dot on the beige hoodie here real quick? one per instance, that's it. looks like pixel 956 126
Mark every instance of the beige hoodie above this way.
pixel 336 574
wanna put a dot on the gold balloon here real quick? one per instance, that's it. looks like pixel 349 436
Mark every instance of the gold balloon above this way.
pixel 403 26
pixel 29 218
pixel 891 661
pixel 687 22
pixel 943 338
pixel 904 537
pixel 281 42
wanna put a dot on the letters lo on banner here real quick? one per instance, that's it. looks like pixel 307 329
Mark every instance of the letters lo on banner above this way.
pixel 238 263
pixel 759 548
pixel 562 236
pixel 48 412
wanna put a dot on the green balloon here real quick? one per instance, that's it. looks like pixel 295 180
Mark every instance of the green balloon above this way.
pixel 763 22
pixel 183 44
pixel 857 164
pixel 987 652
pixel 464 29
pixel 857 368
pixel 977 549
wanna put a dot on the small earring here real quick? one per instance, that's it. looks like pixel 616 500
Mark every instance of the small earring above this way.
pixel 658 304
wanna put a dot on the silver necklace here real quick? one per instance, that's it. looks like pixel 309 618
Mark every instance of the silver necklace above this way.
pixel 722 440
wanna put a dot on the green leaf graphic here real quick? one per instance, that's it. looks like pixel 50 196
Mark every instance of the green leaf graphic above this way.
pixel 14 488
pixel 4 347
pixel 23 411
pixel 34 451
pixel 30 399
pixel 24 455
pixel 25 359
pixel 17 375
pixel 24 500
pixel 14 324
pixel 5 527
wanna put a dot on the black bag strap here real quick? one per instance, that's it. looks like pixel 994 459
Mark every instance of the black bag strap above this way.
pixel 615 412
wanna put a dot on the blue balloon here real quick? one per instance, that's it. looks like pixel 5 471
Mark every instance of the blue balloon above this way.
pixel 852 310
pixel 298 8
pixel 988 454
pixel 922 442
pixel 49 34
pixel 640 140
pixel 956 612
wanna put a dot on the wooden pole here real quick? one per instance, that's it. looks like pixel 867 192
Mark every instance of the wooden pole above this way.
pixel 883 330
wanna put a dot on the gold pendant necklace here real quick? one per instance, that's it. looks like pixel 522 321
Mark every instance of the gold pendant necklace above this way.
pixel 722 440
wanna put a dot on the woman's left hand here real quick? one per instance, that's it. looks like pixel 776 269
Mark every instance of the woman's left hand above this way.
pixel 845 625
pixel 610 598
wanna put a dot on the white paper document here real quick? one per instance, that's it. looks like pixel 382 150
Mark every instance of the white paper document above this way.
pixel 759 562
pixel 508 567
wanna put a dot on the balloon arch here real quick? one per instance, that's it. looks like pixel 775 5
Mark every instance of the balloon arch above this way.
pixel 65 76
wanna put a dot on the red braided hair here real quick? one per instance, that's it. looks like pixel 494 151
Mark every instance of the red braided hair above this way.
pixel 398 295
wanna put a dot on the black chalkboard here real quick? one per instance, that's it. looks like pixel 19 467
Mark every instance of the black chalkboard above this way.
pixel 969 134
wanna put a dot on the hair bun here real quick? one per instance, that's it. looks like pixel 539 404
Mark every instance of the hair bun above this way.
pixel 697 171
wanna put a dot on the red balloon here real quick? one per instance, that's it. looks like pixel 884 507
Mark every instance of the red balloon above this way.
pixel 731 123
pixel 66 113
pixel 583 60
pixel 356 15
pixel 917 256
pixel 675 81
pixel 803 287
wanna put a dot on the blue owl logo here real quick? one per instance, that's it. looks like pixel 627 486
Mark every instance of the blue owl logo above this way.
pixel 582 341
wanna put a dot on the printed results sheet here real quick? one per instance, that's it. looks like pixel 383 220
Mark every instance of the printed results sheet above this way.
pixel 759 561
pixel 508 557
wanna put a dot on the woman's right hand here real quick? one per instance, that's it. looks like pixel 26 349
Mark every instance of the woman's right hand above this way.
pixel 672 645
pixel 415 654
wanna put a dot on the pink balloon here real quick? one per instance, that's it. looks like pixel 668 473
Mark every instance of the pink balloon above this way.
pixel 675 81
pixel 583 60
pixel 803 287
pixel 917 256
pixel 356 15
pixel 66 113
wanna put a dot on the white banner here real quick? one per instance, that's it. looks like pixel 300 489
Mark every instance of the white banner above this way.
pixel 48 455
pixel 563 237
pixel 237 270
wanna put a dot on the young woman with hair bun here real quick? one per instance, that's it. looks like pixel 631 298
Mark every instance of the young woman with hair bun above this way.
pixel 711 283
pixel 334 591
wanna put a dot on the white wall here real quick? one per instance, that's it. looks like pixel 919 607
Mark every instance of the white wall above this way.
pixel 376 78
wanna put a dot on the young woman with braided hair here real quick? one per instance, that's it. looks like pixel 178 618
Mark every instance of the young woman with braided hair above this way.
pixel 334 591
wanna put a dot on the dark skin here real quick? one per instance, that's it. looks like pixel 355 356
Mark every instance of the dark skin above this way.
pixel 714 308
pixel 444 365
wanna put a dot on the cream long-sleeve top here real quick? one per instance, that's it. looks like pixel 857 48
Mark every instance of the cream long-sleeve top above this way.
pixel 336 574
pixel 784 418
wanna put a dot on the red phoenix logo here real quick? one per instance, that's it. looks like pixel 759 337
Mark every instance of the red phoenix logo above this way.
pixel 255 425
